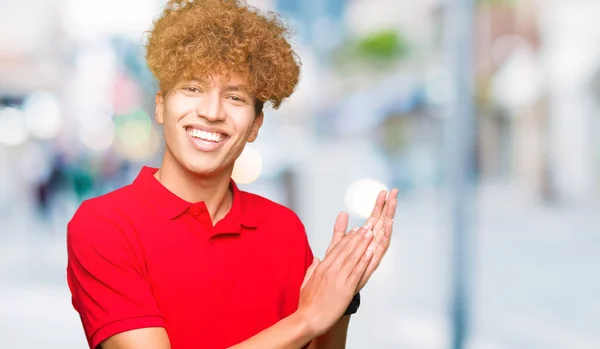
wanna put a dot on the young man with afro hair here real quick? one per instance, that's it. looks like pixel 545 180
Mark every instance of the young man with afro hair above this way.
pixel 183 259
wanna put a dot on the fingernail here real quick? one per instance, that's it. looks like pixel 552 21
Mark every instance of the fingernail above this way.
pixel 355 229
pixel 369 251
pixel 369 233
pixel 368 226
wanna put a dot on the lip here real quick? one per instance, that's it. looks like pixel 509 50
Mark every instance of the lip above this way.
pixel 205 146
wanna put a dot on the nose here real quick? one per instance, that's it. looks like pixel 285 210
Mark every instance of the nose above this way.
pixel 210 108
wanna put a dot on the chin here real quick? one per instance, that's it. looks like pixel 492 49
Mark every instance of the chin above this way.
pixel 201 164
pixel 204 168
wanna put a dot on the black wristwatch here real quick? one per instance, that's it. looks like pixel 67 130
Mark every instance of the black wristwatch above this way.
pixel 354 304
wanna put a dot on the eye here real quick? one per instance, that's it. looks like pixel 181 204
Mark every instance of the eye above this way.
pixel 192 89
pixel 236 99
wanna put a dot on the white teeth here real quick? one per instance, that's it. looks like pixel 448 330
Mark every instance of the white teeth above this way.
pixel 207 136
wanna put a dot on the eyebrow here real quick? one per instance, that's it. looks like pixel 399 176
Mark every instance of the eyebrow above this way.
pixel 237 88
pixel 228 88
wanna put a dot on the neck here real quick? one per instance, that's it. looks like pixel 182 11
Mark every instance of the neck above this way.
pixel 191 187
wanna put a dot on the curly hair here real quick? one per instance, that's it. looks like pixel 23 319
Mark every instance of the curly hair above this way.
pixel 205 37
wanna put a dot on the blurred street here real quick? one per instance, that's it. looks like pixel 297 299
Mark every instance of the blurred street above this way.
pixel 534 268
pixel 392 94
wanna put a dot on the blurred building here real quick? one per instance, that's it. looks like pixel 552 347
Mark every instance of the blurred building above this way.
pixel 76 121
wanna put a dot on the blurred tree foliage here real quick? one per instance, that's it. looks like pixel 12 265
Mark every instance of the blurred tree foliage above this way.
pixel 383 47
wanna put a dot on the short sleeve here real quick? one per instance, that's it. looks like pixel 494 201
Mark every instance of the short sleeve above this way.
pixel 308 254
pixel 105 272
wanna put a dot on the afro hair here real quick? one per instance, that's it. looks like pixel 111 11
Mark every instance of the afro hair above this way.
pixel 205 37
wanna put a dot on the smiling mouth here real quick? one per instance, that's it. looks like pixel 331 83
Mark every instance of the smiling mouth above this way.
pixel 214 137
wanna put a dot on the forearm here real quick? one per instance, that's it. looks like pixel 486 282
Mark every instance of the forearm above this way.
pixel 292 332
pixel 335 338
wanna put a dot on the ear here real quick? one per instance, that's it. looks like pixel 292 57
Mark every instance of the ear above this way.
pixel 160 107
pixel 256 124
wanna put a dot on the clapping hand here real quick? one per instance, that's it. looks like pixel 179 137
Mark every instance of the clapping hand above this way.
pixel 381 221
pixel 349 262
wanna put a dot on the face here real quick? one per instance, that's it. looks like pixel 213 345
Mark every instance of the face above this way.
pixel 207 123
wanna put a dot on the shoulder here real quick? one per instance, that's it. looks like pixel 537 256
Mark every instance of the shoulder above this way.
pixel 286 233
pixel 271 212
pixel 109 206
pixel 101 217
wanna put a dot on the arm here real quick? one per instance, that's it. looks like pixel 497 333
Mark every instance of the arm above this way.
pixel 291 332
pixel 382 220
pixel 328 288
pixel 335 338
pixel 106 276
pixel 297 329
pixel 325 295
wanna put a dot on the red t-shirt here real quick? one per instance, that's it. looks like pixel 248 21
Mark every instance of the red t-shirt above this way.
pixel 142 257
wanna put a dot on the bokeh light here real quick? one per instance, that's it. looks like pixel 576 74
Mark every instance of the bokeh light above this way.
pixel 248 166
pixel 137 138
pixel 361 196
pixel 13 130
pixel 375 107
pixel 98 139
pixel 43 115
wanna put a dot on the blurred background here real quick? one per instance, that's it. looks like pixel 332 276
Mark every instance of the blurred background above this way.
pixel 505 259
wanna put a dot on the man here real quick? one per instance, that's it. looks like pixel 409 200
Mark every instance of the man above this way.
pixel 182 258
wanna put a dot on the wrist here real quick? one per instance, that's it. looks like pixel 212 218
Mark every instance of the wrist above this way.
pixel 302 321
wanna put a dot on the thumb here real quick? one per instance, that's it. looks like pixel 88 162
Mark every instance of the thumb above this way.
pixel 310 271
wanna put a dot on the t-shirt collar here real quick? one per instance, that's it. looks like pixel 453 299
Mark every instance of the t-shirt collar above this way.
pixel 172 206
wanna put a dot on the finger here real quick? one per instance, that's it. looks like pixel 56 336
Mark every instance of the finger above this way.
pixel 339 229
pixel 353 242
pixel 310 271
pixel 352 231
pixel 357 254
pixel 389 217
pixel 361 267
pixel 379 223
pixel 348 237
pixel 378 253
pixel 333 253
pixel 378 208
pixel 382 240
pixel 393 196
pixel 386 213
pixel 380 243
